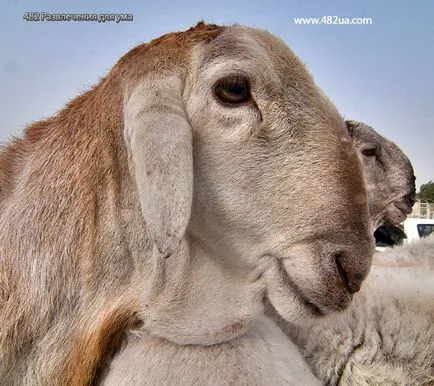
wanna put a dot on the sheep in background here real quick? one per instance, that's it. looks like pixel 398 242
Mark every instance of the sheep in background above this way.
pixel 388 175
pixel 199 146
pixel 389 179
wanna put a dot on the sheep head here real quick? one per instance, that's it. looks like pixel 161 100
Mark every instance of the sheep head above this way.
pixel 388 174
pixel 240 151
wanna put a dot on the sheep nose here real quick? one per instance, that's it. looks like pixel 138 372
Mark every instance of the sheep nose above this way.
pixel 350 271
pixel 411 197
pixel 409 200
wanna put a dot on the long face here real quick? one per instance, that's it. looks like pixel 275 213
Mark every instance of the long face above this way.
pixel 388 175
pixel 278 188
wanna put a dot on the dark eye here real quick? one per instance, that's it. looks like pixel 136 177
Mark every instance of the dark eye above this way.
pixel 369 151
pixel 233 90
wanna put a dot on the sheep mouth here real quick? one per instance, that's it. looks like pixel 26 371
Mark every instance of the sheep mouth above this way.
pixel 322 308
pixel 397 211
pixel 316 304
pixel 405 203
pixel 404 208
pixel 312 308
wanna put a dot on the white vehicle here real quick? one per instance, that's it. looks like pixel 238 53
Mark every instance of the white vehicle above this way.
pixel 417 228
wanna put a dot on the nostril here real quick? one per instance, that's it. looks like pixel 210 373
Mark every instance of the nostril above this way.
pixel 409 201
pixel 351 283
pixel 412 199
pixel 342 273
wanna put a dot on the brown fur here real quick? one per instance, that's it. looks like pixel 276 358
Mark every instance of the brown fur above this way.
pixel 59 168
pixel 91 346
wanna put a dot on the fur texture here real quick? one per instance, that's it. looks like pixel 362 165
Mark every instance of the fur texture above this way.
pixel 261 356
pixel 386 336
pixel 150 164
pixel 137 361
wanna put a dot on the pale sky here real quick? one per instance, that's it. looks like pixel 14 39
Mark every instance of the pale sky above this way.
pixel 381 73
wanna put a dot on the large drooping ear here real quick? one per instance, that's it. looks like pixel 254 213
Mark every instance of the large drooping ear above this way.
pixel 160 144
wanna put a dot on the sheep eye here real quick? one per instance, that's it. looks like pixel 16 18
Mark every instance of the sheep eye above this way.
pixel 233 90
pixel 369 152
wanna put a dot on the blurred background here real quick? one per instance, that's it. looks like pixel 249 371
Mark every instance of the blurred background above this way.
pixel 380 73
